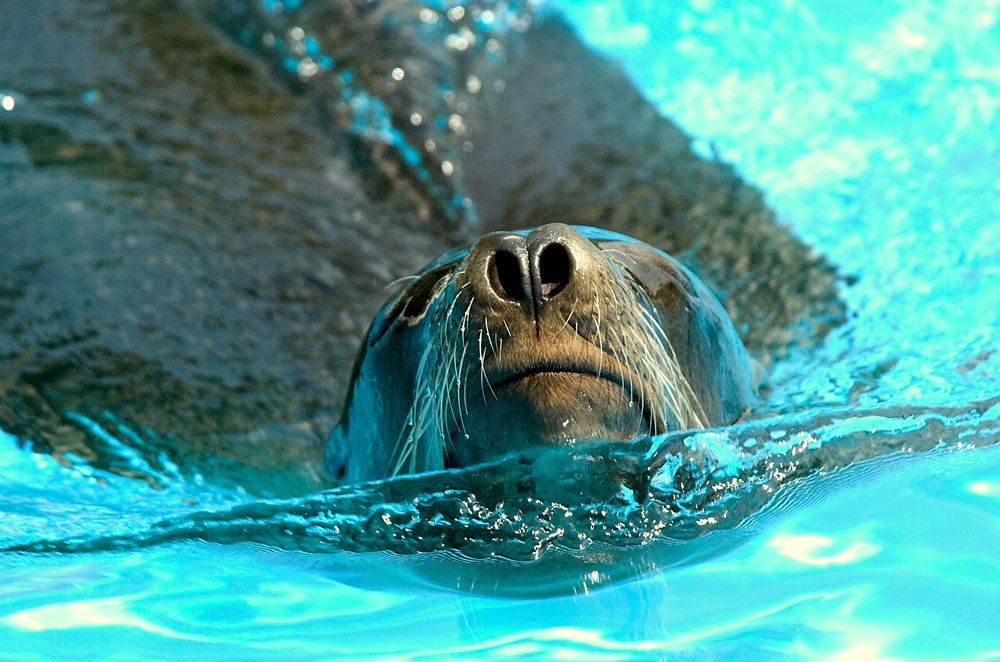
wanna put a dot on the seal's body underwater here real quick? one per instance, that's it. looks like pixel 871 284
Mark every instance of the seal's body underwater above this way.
pixel 546 337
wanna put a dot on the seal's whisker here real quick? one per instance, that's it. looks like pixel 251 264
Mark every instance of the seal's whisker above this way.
pixel 658 370
pixel 600 337
pixel 482 360
pixel 482 367
pixel 568 317
pixel 623 350
pixel 489 336
pixel 446 389
pixel 648 391
pixel 667 375
pixel 641 342
pixel 444 383
pixel 463 327
pixel 399 281
pixel 432 405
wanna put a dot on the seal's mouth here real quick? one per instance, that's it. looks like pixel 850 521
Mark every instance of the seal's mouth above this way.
pixel 547 405
pixel 632 388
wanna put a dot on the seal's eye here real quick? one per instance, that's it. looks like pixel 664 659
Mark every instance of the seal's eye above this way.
pixel 419 295
pixel 411 304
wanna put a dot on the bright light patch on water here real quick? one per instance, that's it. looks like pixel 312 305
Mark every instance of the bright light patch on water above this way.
pixel 986 488
pixel 817 550
pixel 115 611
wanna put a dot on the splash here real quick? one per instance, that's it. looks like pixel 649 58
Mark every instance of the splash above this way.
pixel 586 516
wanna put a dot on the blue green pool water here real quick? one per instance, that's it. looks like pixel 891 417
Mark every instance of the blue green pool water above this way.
pixel 874 130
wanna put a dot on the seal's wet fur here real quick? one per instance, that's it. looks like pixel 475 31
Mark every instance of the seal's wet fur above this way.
pixel 539 338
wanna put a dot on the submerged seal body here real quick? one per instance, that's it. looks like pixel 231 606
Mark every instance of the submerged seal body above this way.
pixel 552 336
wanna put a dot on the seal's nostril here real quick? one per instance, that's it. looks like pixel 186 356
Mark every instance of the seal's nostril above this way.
pixel 554 268
pixel 505 276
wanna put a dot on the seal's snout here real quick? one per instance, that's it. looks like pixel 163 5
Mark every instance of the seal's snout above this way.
pixel 534 267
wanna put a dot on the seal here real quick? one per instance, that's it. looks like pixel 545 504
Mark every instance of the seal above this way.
pixel 218 316
pixel 552 336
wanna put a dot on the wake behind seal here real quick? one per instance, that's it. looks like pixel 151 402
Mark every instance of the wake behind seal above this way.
pixel 549 337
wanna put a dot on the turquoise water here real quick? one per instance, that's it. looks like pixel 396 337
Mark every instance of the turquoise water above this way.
pixel 899 566
pixel 873 130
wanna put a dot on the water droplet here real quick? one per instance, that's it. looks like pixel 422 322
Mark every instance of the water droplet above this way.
pixel 455 123
pixel 457 42
pixel 307 69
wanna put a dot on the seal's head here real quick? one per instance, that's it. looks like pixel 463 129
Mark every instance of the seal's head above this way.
pixel 551 336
